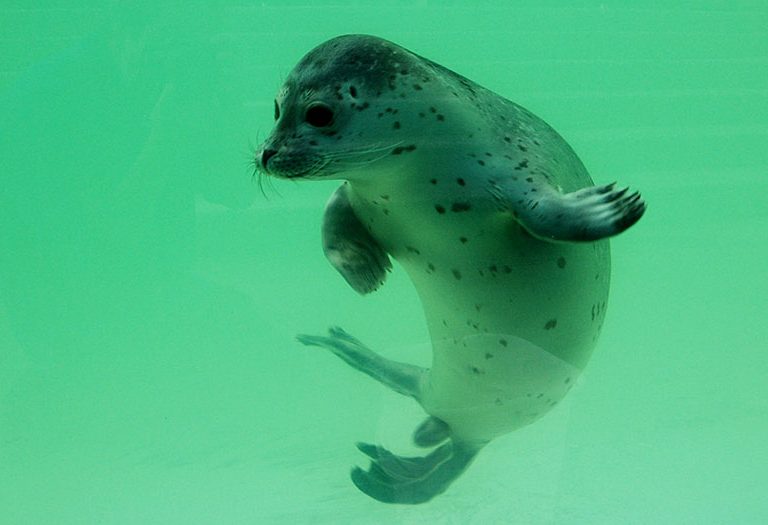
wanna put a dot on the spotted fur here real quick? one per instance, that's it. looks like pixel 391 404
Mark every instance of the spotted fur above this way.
pixel 492 215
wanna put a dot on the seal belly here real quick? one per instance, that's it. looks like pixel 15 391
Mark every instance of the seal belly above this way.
pixel 484 386
pixel 512 325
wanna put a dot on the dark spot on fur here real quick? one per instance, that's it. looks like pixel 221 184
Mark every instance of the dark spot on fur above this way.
pixel 463 240
pixel 456 274
pixel 481 162
pixel 522 164
pixel 561 262
pixel 396 125
pixel 458 207
pixel 400 149
pixel 430 267
pixel 550 324
pixel 440 209
pixel 352 91
pixel 417 87
pixel 522 148
pixel 441 118
pixel 461 182
pixel 413 250
pixel 488 355
pixel 503 342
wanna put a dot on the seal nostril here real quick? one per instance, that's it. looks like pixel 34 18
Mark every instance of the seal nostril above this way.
pixel 266 155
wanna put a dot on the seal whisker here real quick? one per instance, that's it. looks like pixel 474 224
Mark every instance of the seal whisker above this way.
pixel 344 159
pixel 363 151
pixel 257 171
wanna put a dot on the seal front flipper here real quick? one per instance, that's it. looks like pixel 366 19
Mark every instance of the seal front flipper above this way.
pixel 588 214
pixel 350 248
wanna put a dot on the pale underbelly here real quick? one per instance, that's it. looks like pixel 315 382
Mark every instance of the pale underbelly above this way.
pixel 510 333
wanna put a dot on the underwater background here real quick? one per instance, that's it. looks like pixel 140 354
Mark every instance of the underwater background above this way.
pixel 150 293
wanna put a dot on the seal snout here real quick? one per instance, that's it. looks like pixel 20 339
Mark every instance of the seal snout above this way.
pixel 267 154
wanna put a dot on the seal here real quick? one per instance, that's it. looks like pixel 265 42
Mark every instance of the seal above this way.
pixel 491 214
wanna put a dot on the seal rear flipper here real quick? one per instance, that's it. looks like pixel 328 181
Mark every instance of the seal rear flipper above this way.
pixel 400 467
pixel 400 377
pixel 431 432
pixel 395 479
pixel 350 248
pixel 588 214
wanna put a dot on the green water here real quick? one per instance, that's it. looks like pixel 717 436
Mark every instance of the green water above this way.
pixel 150 294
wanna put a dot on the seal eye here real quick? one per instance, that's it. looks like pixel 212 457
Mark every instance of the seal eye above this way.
pixel 319 115
pixel 277 111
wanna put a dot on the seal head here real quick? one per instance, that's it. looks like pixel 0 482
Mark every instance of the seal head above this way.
pixel 341 109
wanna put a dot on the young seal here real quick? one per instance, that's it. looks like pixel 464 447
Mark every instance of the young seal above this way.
pixel 492 215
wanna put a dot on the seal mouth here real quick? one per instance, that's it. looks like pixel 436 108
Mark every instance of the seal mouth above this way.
pixel 311 172
pixel 285 164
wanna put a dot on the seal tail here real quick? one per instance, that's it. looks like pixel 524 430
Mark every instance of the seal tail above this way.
pixel 412 480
